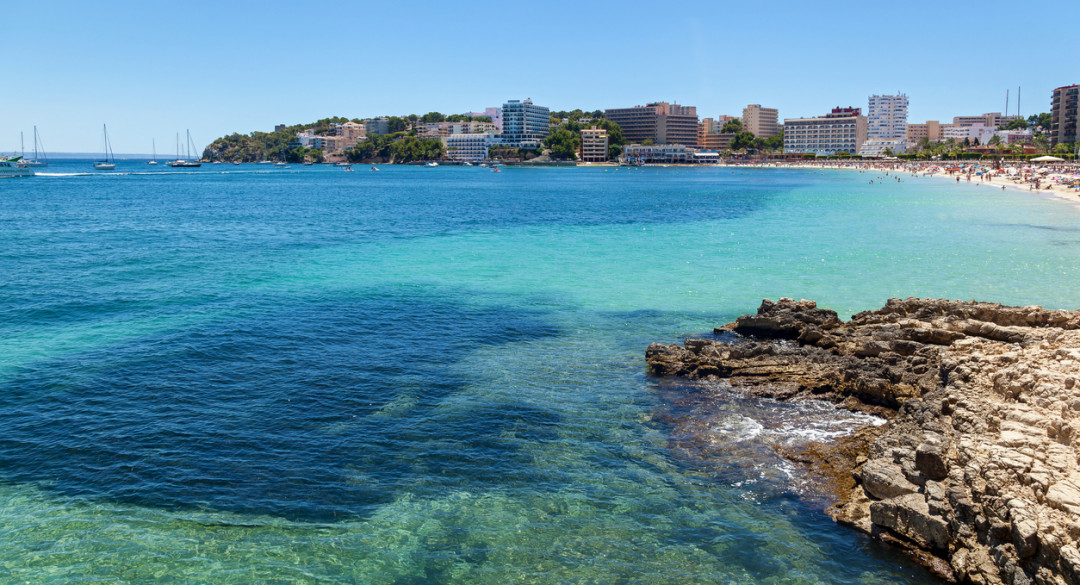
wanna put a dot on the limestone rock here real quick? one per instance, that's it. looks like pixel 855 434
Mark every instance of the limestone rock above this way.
pixel 977 473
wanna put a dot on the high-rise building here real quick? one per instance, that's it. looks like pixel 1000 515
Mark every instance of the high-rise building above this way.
pixel 594 145
pixel 887 117
pixel 1063 116
pixel 661 122
pixel 762 122
pixel 524 123
pixel 842 130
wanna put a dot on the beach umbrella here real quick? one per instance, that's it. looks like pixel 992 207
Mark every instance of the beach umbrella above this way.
pixel 1047 159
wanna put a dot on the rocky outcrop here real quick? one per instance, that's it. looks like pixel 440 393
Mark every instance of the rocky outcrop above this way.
pixel 976 473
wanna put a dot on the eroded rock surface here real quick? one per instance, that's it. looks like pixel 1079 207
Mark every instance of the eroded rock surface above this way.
pixel 976 473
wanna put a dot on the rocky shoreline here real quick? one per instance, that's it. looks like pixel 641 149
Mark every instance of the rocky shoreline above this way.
pixel 976 474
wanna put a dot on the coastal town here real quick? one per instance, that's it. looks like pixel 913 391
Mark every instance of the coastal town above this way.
pixel 666 133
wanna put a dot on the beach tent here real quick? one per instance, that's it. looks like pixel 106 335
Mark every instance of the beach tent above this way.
pixel 1047 159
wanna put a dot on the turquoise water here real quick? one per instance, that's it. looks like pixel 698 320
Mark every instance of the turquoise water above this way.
pixel 236 375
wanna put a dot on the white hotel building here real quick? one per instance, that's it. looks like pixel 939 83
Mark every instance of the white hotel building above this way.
pixel 842 130
pixel 468 147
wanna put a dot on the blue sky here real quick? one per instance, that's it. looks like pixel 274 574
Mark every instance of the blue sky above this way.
pixel 151 69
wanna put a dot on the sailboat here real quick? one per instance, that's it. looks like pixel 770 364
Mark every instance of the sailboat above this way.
pixel 180 162
pixel 110 161
pixel 153 161
pixel 44 161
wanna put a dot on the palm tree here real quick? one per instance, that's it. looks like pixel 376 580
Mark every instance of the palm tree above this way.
pixel 1041 143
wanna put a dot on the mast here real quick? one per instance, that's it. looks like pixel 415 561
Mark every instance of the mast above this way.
pixel 35 143
pixel 22 145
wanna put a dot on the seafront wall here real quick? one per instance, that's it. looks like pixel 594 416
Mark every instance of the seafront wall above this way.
pixel 976 474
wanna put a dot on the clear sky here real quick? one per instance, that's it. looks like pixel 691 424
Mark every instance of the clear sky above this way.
pixel 152 69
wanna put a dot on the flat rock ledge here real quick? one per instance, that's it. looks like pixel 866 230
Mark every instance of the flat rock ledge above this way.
pixel 976 473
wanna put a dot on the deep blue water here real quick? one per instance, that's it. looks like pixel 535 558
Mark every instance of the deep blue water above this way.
pixel 237 374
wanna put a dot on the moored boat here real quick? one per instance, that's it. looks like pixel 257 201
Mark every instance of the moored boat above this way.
pixel 109 163
pixel 15 167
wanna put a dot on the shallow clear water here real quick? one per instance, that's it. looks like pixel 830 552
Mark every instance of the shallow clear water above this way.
pixel 237 375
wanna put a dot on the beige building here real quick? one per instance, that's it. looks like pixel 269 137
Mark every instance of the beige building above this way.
pixel 991 120
pixel 594 145
pixel 762 122
pixel 842 130
pixel 661 122
pixel 1064 128
pixel 931 130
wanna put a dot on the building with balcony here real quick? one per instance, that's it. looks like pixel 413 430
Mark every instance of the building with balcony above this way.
pixel 525 124
pixel 594 145
pixel 762 122
pixel 887 117
pixel 931 130
pixel 1063 106
pixel 661 122
pixel 842 130
pixel 468 147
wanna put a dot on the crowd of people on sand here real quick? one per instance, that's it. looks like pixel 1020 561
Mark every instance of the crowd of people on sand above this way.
pixel 1058 178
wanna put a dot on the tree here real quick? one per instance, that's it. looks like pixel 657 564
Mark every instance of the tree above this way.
pixel 742 141
pixel 1041 142
pixel 994 140
pixel 775 143
pixel 1043 120
pixel 563 144
pixel 732 127
pixel 396 124
pixel 432 118
pixel 647 142
pixel 1019 124
pixel 614 150
pixel 887 152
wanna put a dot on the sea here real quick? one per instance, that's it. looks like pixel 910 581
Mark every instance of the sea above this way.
pixel 241 374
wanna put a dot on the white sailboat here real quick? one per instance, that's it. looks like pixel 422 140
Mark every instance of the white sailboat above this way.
pixel 153 145
pixel 36 162
pixel 180 162
pixel 110 161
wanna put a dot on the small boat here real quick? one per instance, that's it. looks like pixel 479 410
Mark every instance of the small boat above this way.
pixel 15 167
pixel 153 145
pixel 342 164
pixel 110 161
pixel 373 167
pixel 280 165
pixel 496 170
pixel 348 169
pixel 236 162
pixel 432 164
pixel 468 164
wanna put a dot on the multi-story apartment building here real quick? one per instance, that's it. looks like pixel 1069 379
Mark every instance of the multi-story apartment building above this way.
pixel 887 117
pixel 493 114
pixel 468 147
pixel 377 126
pixel 991 120
pixel 661 122
pixel 594 145
pixel 709 136
pixel 524 124
pixel 762 122
pixel 1063 107
pixel 931 130
pixel 443 129
pixel 842 130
